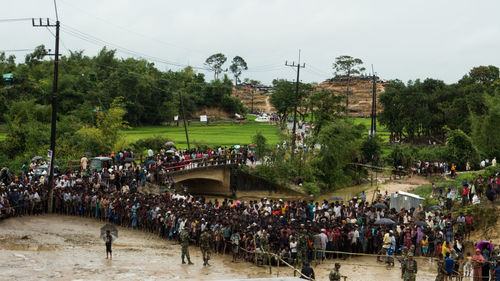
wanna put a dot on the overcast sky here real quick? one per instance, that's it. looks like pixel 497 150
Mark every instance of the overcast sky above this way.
pixel 403 39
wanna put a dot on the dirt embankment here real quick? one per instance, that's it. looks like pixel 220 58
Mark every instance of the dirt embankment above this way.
pixel 261 101
pixel 360 97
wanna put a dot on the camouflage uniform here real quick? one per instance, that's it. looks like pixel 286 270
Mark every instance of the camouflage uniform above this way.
pixel 205 246
pixel 441 270
pixel 302 250
pixel 335 275
pixel 185 245
pixel 410 270
pixel 405 259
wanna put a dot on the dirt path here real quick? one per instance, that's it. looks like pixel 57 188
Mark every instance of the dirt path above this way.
pixel 69 248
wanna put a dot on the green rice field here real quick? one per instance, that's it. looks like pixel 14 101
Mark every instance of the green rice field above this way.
pixel 225 134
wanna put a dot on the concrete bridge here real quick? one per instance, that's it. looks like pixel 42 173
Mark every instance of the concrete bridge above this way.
pixel 214 180
pixel 225 180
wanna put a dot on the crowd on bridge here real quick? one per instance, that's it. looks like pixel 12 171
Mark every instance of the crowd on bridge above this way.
pixel 296 231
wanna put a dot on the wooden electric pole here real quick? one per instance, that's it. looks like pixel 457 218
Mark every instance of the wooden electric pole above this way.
pixel 184 119
pixel 373 128
pixel 52 152
pixel 294 128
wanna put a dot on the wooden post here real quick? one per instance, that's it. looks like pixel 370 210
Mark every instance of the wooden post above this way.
pixel 278 269
pixel 270 268
pixel 255 250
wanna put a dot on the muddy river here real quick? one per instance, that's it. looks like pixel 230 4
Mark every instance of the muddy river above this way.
pixel 53 247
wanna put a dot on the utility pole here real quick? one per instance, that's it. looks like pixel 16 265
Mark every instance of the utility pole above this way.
pixel 52 153
pixel 296 98
pixel 184 119
pixel 374 104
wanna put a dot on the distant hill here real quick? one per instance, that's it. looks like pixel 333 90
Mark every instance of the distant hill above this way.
pixel 261 97
pixel 360 98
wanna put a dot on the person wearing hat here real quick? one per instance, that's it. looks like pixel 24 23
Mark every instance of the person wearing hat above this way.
pixel 335 273
pixel 308 272
pixel 411 268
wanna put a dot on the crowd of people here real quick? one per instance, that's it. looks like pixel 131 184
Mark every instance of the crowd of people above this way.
pixel 295 231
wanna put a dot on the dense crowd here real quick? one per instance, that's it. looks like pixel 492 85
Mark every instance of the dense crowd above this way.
pixel 297 231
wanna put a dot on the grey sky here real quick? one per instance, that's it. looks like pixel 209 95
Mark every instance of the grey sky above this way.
pixel 403 39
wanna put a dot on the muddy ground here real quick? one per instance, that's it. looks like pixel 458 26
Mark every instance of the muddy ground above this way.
pixel 53 247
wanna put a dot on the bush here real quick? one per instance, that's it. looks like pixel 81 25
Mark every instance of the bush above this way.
pixel 311 188
pixel 460 149
pixel 154 142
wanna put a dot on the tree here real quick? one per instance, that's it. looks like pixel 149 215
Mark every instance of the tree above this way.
pixel 215 62
pixel 340 141
pixel 460 149
pixel 347 66
pixel 484 74
pixel 325 107
pixel 371 148
pixel 103 137
pixel 486 129
pixel 38 54
pixel 283 98
pixel 237 66
pixel 262 148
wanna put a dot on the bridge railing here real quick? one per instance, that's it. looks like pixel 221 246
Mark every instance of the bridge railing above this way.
pixel 188 164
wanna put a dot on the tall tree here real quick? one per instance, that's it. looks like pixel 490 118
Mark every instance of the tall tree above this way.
pixel 347 66
pixel 237 66
pixel 215 62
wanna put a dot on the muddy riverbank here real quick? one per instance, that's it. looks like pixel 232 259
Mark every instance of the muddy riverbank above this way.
pixel 53 247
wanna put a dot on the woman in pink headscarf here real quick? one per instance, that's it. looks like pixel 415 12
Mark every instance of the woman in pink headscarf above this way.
pixel 477 265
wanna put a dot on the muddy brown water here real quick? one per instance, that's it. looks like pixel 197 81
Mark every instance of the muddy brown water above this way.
pixel 53 247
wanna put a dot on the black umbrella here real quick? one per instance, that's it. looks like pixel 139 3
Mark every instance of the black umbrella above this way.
pixel 434 208
pixel 421 223
pixel 380 206
pixel 112 229
pixel 36 158
pixel 336 198
pixel 384 222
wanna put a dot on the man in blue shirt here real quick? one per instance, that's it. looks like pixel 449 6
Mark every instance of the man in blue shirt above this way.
pixel 449 267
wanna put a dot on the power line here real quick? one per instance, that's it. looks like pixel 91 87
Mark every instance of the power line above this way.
pixel 100 42
pixel 14 20
pixel 55 8
pixel 131 31
pixel 17 50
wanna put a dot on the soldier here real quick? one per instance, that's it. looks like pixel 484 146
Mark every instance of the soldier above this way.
pixel 185 245
pixel 403 262
pixel 302 248
pixel 410 268
pixel 441 268
pixel 335 273
pixel 205 239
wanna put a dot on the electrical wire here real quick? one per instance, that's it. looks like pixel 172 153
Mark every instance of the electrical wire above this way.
pixel 99 42
pixel 55 8
pixel 14 20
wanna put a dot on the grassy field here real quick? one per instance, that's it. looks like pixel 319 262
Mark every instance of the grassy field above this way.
pixel 223 133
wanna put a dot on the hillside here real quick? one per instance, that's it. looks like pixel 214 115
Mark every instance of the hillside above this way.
pixel 261 101
pixel 360 99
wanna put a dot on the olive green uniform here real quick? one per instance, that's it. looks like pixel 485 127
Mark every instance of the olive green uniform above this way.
pixel 302 250
pixel 185 246
pixel 205 239
pixel 335 275
pixel 410 270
